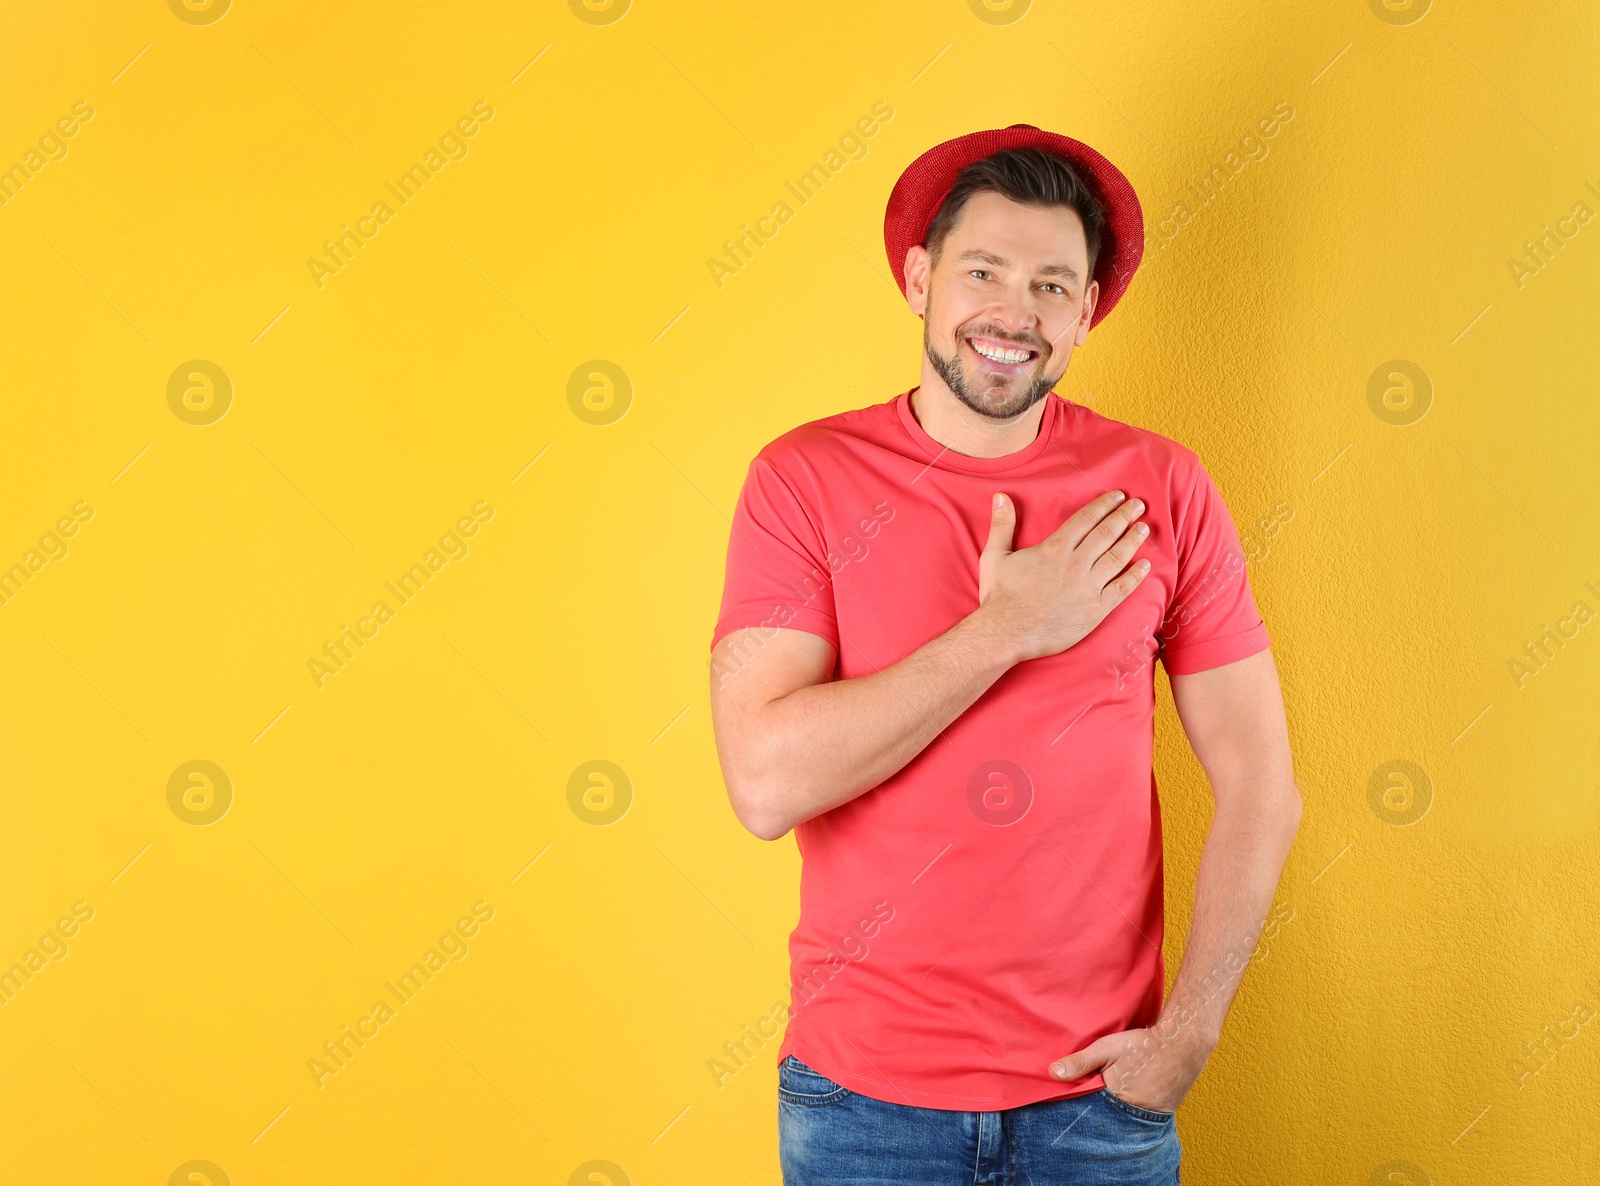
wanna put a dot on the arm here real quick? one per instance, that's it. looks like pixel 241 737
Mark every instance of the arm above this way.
pixel 792 744
pixel 1234 718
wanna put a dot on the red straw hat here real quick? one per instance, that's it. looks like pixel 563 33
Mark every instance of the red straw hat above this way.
pixel 924 185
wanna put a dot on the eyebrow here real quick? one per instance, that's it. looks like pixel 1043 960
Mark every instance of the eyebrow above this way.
pixel 988 257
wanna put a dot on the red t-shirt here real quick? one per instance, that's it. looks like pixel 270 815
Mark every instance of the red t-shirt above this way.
pixel 997 903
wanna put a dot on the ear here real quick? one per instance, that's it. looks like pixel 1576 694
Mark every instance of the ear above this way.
pixel 1091 297
pixel 918 269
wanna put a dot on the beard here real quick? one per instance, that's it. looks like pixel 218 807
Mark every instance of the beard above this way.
pixel 994 396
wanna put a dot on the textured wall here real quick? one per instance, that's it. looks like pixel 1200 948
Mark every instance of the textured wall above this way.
pixel 225 443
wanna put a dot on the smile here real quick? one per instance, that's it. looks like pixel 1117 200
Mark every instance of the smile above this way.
pixel 997 352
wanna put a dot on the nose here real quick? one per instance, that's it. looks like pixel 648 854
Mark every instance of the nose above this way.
pixel 1014 311
pixel 1015 324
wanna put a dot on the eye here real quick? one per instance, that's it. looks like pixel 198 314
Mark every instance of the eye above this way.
pixel 1055 288
pixel 981 274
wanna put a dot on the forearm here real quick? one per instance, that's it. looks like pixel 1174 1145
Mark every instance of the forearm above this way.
pixel 1240 867
pixel 825 744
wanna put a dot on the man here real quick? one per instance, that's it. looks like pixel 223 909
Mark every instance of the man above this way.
pixel 935 664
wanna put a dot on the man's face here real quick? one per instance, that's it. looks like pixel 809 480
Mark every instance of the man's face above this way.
pixel 1008 300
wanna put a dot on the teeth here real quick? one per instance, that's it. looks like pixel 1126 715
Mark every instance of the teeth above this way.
pixel 998 355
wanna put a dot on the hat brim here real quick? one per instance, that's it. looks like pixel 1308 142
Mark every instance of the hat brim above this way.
pixel 923 187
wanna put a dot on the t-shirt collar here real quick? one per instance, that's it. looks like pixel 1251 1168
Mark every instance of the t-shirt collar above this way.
pixel 943 457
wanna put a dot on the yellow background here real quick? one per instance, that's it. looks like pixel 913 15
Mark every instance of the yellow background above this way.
pixel 368 415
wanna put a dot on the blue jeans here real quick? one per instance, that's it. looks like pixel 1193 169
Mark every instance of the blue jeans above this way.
pixel 831 1136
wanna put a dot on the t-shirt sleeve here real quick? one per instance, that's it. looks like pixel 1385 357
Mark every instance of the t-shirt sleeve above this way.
pixel 778 571
pixel 1212 619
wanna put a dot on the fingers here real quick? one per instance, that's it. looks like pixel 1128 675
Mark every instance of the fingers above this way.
pixel 1109 530
pixel 1002 526
pixel 1115 558
pixel 1088 519
pixel 1091 1058
pixel 1117 591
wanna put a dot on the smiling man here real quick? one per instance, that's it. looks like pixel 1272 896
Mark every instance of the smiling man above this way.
pixel 934 662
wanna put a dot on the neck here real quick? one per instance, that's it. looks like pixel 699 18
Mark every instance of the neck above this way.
pixel 961 430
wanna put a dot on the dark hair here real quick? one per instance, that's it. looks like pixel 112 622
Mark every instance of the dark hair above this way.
pixel 1027 175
